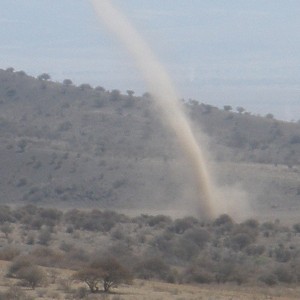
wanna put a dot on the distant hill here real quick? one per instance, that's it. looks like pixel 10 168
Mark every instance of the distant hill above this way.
pixel 69 145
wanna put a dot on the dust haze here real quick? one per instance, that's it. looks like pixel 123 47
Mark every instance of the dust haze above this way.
pixel 212 199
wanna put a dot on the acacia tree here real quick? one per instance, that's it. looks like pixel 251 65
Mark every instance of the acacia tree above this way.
pixel 91 276
pixel 114 273
pixel 107 271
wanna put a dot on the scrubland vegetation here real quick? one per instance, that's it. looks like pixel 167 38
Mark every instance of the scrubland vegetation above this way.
pixel 66 146
pixel 103 249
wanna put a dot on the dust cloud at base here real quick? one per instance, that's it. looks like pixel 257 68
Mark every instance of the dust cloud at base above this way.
pixel 160 86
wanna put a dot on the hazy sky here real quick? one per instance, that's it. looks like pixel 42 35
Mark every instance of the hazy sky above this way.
pixel 235 52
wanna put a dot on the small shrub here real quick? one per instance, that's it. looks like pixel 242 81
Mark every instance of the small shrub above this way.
pixel 44 236
pixel 197 275
pixel 81 293
pixel 17 264
pixel 284 274
pixel 14 293
pixel 269 279
pixel 181 225
pixel 70 229
pixel 6 214
pixel 118 233
pixel 66 247
pixel 240 241
pixel 9 253
pixel 32 276
pixel 77 256
pixel 47 257
pixel 159 221
pixel 224 272
pixel 255 250
pixel 224 223
pixel 296 227
pixel 65 285
pixel 6 228
pixel 199 236
pixel 282 254
pixel 152 268
pixel 30 238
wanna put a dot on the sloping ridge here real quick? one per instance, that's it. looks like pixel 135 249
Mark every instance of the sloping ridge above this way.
pixel 76 145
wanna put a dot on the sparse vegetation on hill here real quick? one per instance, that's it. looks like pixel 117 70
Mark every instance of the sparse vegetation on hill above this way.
pixel 64 144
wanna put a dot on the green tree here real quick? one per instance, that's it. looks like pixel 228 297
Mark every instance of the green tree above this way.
pixel 240 109
pixel 67 82
pixel 130 93
pixel 115 95
pixel 227 107
pixel 85 86
pixel 44 76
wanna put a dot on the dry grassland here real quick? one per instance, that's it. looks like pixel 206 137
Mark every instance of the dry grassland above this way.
pixel 63 288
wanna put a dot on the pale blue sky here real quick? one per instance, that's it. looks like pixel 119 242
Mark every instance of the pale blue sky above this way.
pixel 236 52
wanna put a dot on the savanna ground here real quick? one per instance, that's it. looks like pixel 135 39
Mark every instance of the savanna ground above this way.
pixel 178 259
pixel 63 288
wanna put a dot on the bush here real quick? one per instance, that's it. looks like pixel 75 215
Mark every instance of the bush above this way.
pixel 224 223
pixel 296 227
pixel 30 238
pixel 95 220
pixel 44 236
pixel 14 293
pixel 18 264
pixel 251 223
pixel 66 247
pixel 181 225
pixel 197 275
pixel 240 241
pixel 282 254
pixel 199 236
pixel 31 276
pixel 284 274
pixel 152 268
pixel 81 293
pixel 47 257
pixel 9 253
pixel 255 250
pixel 6 214
pixel 224 272
pixel 77 256
pixel 159 221
pixel 184 249
pixel 269 279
